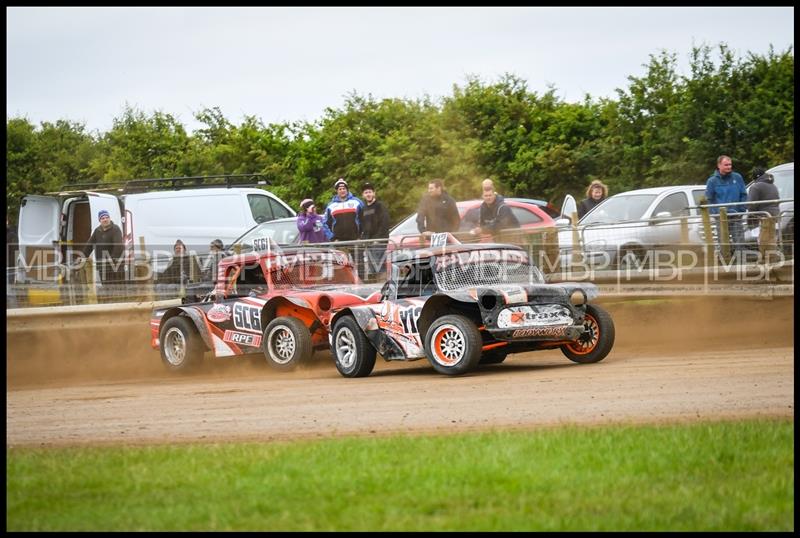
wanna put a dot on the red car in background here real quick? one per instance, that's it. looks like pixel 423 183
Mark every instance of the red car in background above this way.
pixel 533 215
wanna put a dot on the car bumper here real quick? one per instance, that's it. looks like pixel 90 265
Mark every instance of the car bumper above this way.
pixel 538 334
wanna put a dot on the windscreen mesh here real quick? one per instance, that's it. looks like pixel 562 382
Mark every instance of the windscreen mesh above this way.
pixel 489 273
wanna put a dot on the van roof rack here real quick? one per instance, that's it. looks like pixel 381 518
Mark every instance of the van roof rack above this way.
pixel 171 183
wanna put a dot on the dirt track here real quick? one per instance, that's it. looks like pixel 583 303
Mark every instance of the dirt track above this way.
pixel 689 360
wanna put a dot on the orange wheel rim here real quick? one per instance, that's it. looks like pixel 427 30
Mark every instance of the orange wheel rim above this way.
pixel 586 343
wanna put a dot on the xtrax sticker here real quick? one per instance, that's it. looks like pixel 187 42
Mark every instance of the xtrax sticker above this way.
pixel 246 317
pixel 244 339
pixel 540 331
pixel 534 315
pixel 219 313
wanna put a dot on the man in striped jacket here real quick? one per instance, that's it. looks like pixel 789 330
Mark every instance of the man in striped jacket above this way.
pixel 343 214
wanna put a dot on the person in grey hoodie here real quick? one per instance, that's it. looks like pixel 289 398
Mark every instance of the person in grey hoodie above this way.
pixel 763 188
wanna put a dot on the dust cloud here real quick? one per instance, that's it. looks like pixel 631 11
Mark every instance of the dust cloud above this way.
pixel 123 353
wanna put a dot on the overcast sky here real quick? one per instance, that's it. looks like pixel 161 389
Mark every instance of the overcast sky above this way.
pixel 288 64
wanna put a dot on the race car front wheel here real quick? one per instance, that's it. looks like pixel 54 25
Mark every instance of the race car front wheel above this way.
pixel 453 345
pixel 597 339
pixel 287 343
pixel 353 354
pixel 181 348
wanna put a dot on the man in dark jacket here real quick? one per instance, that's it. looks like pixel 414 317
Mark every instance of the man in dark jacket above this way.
pixel 12 248
pixel 374 225
pixel 374 215
pixel 106 241
pixel 763 188
pixel 495 215
pixel 437 211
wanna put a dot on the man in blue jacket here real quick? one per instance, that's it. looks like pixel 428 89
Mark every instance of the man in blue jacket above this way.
pixel 727 187
pixel 343 214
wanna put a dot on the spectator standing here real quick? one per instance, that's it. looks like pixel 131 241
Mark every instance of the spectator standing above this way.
pixel 764 189
pixel 216 251
pixel 437 211
pixel 181 267
pixel 374 225
pixel 343 214
pixel 495 215
pixel 374 215
pixel 310 225
pixel 725 186
pixel 106 241
pixel 596 192
pixel 12 249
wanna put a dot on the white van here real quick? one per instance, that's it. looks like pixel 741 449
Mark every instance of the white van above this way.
pixel 50 225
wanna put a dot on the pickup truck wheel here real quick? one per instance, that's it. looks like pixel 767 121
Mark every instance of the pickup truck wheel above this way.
pixel 180 345
pixel 287 343
pixel 453 345
pixel 596 341
pixel 353 354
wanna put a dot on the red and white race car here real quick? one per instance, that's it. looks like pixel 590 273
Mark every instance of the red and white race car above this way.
pixel 276 302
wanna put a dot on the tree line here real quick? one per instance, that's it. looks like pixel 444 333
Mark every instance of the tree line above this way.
pixel 662 129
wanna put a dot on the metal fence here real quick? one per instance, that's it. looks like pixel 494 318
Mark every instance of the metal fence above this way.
pixel 754 237
pixel 568 252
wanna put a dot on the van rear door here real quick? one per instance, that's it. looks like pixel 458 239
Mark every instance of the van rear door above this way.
pixel 39 227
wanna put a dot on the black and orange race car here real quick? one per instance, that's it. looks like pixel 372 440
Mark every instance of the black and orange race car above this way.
pixel 278 302
pixel 461 305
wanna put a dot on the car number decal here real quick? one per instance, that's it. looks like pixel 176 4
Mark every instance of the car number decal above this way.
pixel 246 317
pixel 399 319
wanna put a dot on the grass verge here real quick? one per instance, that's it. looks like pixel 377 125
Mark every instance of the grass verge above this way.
pixel 721 476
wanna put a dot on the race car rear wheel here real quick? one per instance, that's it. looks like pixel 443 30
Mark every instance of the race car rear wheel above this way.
pixel 453 345
pixel 181 348
pixel 596 341
pixel 352 352
pixel 287 343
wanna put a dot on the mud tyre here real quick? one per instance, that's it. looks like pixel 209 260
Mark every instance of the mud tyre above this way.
pixel 453 345
pixel 597 340
pixel 180 345
pixel 286 343
pixel 353 354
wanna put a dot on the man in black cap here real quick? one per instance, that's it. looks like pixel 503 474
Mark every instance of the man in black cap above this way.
pixel 374 225
pixel 106 241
